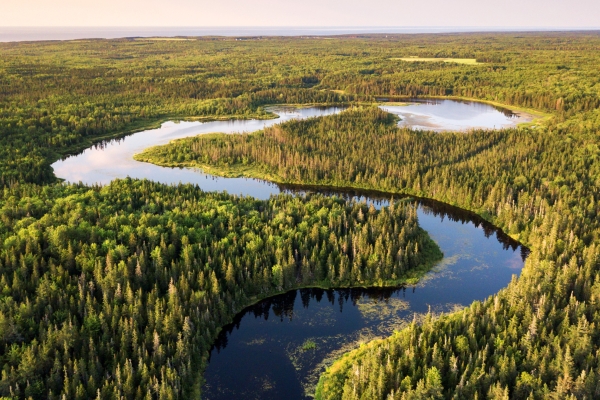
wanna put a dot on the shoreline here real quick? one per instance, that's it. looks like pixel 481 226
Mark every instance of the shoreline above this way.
pixel 421 272
pixel 410 279
pixel 536 116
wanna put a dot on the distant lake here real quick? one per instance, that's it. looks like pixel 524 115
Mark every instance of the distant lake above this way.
pixel 12 34
pixel 455 115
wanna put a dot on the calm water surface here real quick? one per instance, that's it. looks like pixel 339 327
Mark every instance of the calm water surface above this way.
pixel 261 354
pixel 114 159
pixel 443 115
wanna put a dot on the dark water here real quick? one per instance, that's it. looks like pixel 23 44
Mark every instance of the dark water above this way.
pixel 29 33
pixel 261 355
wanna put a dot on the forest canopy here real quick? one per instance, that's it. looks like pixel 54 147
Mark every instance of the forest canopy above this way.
pixel 119 290
pixel 59 97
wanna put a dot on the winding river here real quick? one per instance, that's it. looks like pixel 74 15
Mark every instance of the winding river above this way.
pixel 278 347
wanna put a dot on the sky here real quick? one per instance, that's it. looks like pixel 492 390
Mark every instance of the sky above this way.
pixel 207 13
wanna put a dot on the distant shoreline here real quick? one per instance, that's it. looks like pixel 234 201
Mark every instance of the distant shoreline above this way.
pixel 19 34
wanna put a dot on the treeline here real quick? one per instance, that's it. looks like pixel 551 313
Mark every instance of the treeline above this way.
pixel 33 139
pixel 59 97
pixel 119 292
pixel 536 339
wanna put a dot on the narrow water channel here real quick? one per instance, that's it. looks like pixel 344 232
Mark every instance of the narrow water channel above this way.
pixel 278 347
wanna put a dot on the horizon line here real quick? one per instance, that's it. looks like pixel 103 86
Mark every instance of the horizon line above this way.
pixel 308 26
pixel 15 34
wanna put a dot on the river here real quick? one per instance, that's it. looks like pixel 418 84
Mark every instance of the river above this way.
pixel 278 347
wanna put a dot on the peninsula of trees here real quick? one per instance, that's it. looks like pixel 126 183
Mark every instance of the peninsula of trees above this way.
pixel 121 290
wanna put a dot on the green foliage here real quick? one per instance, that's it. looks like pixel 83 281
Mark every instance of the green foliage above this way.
pixel 60 97
pixel 309 345
pixel 536 339
pixel 122 289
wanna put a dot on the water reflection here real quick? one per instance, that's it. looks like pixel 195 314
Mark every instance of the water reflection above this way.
pixel 472 104
pixel 454 115
pixel 426 207
pixel 261 354
pixel 282 306
pixel 111 159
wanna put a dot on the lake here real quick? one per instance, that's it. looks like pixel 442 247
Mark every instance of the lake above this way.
pixel 455 115
pixel 261 356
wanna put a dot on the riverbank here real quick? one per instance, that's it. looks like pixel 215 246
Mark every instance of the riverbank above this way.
pixel 335 186
pixel 148 125
pixel 141 126
pixel 409 279
pixel 179 154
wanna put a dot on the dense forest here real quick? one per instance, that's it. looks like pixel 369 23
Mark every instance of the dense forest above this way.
pixel 97 282
pixel 60 97
pixel 540 184
pixel 120 290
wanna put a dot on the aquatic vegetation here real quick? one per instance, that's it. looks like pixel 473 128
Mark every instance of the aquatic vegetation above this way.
pixel 308 345
pixel 381 310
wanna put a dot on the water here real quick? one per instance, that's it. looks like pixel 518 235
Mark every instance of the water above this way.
pixel 114 159
pixel 443 115
pixel 32 33
pixel 260 355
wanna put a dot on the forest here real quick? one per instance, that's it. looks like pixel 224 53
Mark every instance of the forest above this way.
pixel 109 291
pixel 523 179
pixel 57 98
pixel 119 291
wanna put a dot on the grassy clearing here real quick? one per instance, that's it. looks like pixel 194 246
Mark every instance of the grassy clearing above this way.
pixel 469 61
